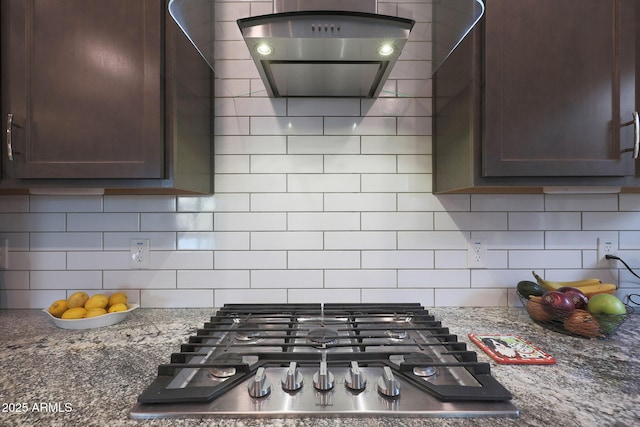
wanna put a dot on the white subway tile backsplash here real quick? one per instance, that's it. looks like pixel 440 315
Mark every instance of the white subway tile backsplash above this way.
pixel 158 240
pixel 628 202
pixel 323 296
pixel 359 202
pixel 361 278
pixel 254 183
pixel 286 240
pixel 81 280
pixel 40 260
pixel 286 125
pixel 397 259
pixel 471 297
pixel 397 220
pixel 286 164
pixel 323 183
pixel 340 144
pixel 14 279
pixel 582 202
pixel 278 279
pixel 544 221
pixel 122 203
pixel 435 240
pixel 65 204
pixel 184 221
pixel 316 200
pixel 232 163
pixel 213 240
pixel 65 241
pixel 14 203
pixel 510 202
pixel 286 202
pixel 409 145
pixel 360 125
pixel 255 259
pixel 512 240
pixel 359 240
pixel 96 260
pixel 139 279
pixel 189 298
pixel 15 222
pixel 174 260
pixel 430 202
pixel 323 259
pixel 430 278
pixel 323 107
pixel 34 299
pixel 400 183
pixel 249 296
pixel 323 221
pixel 575 239
pixel 398 107
pixel 414 164
pixel 420 296
pixel 545 259
pixel 213 279
pixel 470 221
pixel 359 163
pixel 246 221
pixel 229 144
pixel 610 221
pixel 103 222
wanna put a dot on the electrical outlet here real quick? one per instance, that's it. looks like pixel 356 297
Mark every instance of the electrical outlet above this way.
pixel 4 254
pixel 606 246
pixel 139 252
pixel 476 253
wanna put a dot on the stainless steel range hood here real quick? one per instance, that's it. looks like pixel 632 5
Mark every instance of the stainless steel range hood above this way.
pixel 326 48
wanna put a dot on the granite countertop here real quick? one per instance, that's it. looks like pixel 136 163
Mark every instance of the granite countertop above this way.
pixel 92 377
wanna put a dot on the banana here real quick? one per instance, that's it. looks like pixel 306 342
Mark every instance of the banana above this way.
pixel 600 288
pixel 553 286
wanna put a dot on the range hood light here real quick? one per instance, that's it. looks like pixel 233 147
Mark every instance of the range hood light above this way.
pixel 386 49
pixel 264 49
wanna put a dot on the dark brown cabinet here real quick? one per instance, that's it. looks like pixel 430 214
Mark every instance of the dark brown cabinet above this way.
pixel 541 93
pixel 102 94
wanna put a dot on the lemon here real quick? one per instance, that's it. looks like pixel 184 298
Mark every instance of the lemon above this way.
pixel 58 307
pixel 118 307
pixel 96 311
pixel 118 297
pixel 97 301
pixel 75 313
pixel 77 299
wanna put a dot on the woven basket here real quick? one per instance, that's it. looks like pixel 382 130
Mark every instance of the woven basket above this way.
pixel 577 323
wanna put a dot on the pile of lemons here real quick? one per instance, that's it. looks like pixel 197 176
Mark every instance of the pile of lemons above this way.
pixel 79 305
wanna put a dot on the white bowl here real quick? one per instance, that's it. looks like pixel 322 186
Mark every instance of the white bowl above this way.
pixel 93 322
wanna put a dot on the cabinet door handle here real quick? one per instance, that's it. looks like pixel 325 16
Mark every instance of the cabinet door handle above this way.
pixel 9 146
pixel 635 121
pixel 636 134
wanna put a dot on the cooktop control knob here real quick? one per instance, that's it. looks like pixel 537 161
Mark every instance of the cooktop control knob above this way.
pixel 355 379
pixel 292 379
pixel 388 385
pixel 323 379
pixel 259 386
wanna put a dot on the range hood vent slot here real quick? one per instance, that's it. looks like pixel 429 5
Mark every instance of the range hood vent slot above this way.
pixel 327 48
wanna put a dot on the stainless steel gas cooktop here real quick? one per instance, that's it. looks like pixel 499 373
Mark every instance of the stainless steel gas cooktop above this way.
pixel 294 360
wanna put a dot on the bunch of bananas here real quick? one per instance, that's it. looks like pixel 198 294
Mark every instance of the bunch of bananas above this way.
pixel 79 305
pixel 589 287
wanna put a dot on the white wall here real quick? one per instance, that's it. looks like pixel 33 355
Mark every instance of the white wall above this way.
pixel 317 200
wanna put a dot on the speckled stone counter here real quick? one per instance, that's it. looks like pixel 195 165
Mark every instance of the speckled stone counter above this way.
pixel 56 377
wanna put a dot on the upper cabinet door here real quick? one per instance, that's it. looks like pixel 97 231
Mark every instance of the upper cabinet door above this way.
pixel 559 86
pixel 83 83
